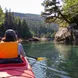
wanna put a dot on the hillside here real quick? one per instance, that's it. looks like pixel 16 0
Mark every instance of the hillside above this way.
pixel 29 16
pixel 35 20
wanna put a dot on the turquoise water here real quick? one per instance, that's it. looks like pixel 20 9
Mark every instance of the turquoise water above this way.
pixel 61 60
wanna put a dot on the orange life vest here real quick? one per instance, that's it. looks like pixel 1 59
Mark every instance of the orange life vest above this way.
pixel 8 49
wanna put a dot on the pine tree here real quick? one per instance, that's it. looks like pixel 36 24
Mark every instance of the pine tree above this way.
pixel 53 12
pixel 25 30
pixel 9 20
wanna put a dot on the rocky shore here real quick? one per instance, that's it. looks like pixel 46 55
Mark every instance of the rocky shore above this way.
pixel 66 35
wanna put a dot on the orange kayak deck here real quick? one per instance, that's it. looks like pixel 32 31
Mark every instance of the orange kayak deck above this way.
pixel 24 71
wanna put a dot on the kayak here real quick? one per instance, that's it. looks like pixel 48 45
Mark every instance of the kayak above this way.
pixel 16 70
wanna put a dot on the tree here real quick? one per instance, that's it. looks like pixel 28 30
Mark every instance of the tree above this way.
pixel 25 33
pixel 53 12
pixel 70 8
pixel 19 25
pixel 65 14
pixel 1 16
pixel 9 20
pixel 1 21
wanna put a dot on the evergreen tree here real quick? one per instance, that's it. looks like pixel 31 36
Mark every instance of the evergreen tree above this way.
pixel 25 33
pixel 9 20
pixel 1 21
pixel 19 27
pixel 53 12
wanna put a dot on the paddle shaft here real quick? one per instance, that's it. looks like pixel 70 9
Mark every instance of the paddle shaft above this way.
pixel 32 57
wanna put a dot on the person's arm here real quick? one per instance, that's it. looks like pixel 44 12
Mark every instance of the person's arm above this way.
pixel 21 50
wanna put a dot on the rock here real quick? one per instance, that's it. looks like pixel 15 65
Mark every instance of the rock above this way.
pixel 62 35
pixel 75 36
pixel 34 39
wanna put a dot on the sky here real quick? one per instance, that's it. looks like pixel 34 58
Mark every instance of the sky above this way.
pixel 23 6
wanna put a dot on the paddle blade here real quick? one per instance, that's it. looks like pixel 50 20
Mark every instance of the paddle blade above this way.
pixel 40 58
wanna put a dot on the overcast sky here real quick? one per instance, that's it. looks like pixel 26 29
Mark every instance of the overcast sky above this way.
pixel 23 6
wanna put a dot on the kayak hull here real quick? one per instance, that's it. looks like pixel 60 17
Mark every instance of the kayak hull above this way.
pixel 23 70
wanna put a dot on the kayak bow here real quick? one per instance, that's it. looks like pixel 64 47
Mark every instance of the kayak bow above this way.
pixel 16 70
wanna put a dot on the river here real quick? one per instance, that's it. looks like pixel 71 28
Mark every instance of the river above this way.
pixel 61 60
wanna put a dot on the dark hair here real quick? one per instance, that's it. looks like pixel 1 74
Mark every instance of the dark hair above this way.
pixel 10 35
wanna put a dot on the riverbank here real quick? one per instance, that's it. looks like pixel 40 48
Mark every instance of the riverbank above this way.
pixel 35 39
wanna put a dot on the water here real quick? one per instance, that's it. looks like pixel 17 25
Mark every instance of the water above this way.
pixel 61 60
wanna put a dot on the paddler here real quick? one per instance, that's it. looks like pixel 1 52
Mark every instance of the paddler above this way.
pixel 11 50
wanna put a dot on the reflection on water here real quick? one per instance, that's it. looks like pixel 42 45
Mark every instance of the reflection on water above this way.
pixel 62 60
pixel 64 51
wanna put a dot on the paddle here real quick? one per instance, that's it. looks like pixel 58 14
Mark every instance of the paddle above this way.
pixel 37 58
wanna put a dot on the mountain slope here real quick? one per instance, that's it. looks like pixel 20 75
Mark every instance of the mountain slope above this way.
pixel 34 20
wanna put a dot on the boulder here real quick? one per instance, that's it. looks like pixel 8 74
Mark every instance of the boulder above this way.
pixel 62 35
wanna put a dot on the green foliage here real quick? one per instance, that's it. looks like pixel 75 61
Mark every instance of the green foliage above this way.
pixel 33 33
pixel 25 30
pixel 1 16
pixel 26 27
pixel 71 10
pixel 53 13
pixel 70 3
pixel 19 25
pixel 9 20
pixel 66 14
pixel 36 24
